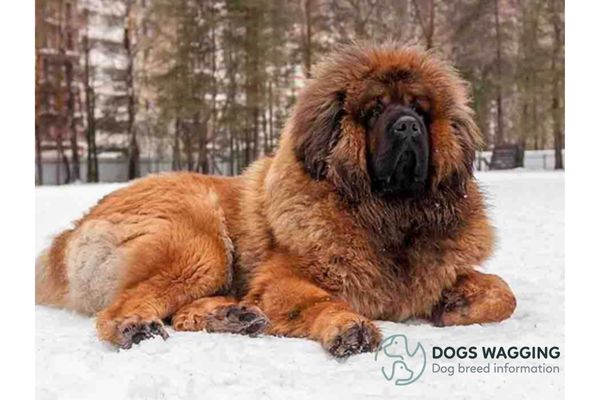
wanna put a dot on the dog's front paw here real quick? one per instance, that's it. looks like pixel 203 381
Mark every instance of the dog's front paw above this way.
pixel 474 299
pixel 353 337
pixel 450 309
pixel 235 318
pixel 131 330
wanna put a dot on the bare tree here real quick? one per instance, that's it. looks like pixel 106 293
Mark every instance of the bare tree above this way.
pixel 557 12
pixel 223 75
pixel 55 85
pixel 133 151
pixel 90 103
pixel 425 12
pixel 307 33
pixel 39 171
pixel 499 139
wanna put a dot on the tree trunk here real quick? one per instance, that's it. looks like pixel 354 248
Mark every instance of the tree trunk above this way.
pixel 539 133
pixel 525 126
pixel 133 165
pixel 239 165
pixel 499 112
pixel 427 25
pixel 176 151
pixel 557 129
pixel 92 152
pixel 187 148
pixel 269 141
pixel 133 150
pixel 38 157
pixel 231 154
pixel 308 22
pixel 431 24
pixel 200 127
pixel 72 123
pixel 90 107
pixel 256 129
pixel 214 116
pixel 63 161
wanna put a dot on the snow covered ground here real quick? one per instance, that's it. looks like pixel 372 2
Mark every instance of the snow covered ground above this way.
pixel 528 211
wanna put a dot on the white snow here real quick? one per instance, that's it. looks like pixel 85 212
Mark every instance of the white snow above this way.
pixel 528 211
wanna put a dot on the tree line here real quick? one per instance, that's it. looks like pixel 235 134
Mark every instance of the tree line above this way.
pixel 208 84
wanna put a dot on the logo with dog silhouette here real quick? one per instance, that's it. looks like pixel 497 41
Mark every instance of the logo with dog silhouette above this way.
pixel 401 362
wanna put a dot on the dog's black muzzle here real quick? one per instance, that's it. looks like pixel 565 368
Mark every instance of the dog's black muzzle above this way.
pixel 400 157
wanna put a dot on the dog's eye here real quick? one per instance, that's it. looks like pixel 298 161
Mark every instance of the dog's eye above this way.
pixel 372 114
pixel 421 112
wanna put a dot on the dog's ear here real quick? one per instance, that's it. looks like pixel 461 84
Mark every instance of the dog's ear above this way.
pixel 469 137
pixel 317 125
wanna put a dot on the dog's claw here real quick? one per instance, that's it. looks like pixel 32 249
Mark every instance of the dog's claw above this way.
pixel 134 331
pixel 360 337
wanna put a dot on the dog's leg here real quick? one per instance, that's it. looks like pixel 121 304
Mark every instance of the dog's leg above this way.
pixel 195 268
pixel 219 314
pixel 475 298
pixel 297 307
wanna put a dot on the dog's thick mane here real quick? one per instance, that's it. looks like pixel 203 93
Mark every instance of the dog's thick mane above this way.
pixel 437 214
pixel 330 143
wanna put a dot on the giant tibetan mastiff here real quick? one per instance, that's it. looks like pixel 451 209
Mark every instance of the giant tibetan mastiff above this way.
pixel 368 210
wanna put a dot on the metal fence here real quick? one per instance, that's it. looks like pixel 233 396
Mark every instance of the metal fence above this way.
pixel 109 170
pixel 115 170
pixel 534 159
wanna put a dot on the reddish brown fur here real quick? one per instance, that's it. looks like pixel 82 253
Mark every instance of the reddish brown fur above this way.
pixel 299 235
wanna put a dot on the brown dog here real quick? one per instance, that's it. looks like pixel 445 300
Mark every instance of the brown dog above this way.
pixel 368 210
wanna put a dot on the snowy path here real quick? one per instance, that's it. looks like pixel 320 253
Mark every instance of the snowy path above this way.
pixel 528 210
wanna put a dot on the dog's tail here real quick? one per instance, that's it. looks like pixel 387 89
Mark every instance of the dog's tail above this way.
pixel 50 276
pixel 41 278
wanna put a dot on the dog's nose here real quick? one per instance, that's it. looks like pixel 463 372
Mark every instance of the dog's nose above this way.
pixel 407 126
pixel 411 134
pixel 400 160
